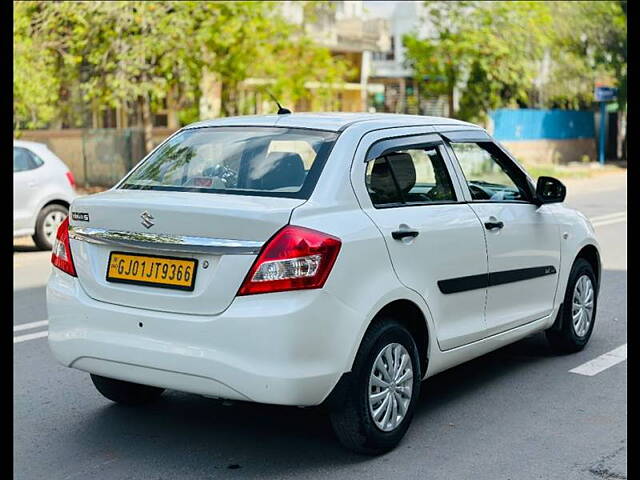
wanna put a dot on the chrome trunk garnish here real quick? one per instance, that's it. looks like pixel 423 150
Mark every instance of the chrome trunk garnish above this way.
pixel 165 242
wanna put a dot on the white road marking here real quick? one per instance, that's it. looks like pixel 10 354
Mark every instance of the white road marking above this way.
pixel 601 363
pixel 30 336
pixel 609 222
pixel 608 219
pixel 608 216
pixel 29 326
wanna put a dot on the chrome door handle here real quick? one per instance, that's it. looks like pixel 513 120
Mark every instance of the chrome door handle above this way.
pixel 400 234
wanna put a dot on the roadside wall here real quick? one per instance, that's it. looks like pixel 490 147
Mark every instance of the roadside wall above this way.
pixel 97 157
pixel 546 136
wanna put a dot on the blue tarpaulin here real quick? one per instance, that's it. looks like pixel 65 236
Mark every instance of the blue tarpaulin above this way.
pixel 531 124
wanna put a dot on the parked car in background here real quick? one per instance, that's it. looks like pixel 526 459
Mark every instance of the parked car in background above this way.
pixel 304 259
pixel 43 188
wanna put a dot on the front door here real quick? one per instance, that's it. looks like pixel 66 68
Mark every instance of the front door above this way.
pixel 523 240
pixel 432 235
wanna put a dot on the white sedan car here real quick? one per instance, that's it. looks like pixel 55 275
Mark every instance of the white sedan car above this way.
pixel 307 259
pixel 43 189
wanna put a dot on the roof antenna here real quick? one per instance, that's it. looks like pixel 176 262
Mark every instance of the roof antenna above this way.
pixel 281 110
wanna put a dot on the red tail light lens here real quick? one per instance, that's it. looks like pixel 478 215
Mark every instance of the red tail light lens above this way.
pixel 71 178
pixel 61 251
pixel 295 258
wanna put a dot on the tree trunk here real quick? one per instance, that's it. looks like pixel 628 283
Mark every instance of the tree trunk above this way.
pixel 147 122
pixel 228 98
pixel 172 108
pixel 450 100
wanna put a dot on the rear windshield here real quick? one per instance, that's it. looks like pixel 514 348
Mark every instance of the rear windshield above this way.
pixel 262 161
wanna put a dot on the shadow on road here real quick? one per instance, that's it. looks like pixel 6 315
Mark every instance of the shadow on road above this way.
pixel 266 440
pixel 192 436
pixel 26 248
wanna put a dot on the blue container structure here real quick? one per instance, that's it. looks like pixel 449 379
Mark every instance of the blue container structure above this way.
pixel 532 124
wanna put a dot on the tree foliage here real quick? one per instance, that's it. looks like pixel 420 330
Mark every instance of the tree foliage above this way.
pixel 495 53
pixel 35 86
pixel 590 42
pixel 119 53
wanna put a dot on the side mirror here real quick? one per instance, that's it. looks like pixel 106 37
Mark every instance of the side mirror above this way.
pixel 550 190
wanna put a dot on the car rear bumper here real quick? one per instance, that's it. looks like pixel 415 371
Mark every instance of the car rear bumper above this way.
pixel 287 348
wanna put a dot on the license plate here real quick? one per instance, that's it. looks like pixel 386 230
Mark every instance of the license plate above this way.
pixel 154 271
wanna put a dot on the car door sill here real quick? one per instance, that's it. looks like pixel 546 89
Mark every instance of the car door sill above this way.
pixel 502 332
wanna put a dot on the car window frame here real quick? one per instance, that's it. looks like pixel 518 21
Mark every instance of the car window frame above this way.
pixel 35 159
pixel 504 160
pixel 384 146
pixel 305 192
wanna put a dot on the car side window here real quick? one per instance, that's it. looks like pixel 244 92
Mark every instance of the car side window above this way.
pixel 487 176
pixel 24 160
pixel 410 176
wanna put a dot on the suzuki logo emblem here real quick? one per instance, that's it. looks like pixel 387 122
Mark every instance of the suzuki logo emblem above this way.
pixel 146 219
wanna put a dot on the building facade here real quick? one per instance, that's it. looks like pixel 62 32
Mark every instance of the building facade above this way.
pixel 401 91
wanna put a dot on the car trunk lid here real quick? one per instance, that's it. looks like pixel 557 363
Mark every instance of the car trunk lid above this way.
pixel 222 232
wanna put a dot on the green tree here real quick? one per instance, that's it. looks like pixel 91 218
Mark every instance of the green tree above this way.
pixel 589 41
pixel 142 54
pixel 496 53
pixel 486 48
pixel 35 85
pixel 242 40
pixel 119 53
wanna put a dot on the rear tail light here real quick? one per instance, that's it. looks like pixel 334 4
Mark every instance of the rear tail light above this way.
pixel 295 258
pixel 71 178
pixel 61 252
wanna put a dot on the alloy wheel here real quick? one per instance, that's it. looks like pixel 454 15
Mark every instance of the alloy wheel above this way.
pixel 390 387
pixel 51 223
pixel 582 305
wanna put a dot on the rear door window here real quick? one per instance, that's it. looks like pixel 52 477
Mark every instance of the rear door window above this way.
pixel 409 177
pixel 237 160
pixel 24 160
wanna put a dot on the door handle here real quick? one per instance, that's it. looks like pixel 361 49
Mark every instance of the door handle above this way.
pixel 32 184
pixel 493 223
pixel 400 234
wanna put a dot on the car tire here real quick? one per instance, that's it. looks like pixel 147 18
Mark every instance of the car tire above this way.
pixel 353 420
pixel 47 224
pixel 126 393
pixel 575 324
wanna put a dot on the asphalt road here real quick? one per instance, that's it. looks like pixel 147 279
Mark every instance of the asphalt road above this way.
pixel 517 413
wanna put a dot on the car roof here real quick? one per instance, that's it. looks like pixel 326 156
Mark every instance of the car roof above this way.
pixel 332 121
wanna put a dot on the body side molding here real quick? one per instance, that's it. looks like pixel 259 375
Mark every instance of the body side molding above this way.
pixel 492 279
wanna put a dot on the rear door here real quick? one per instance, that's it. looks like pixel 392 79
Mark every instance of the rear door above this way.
pixel 434 238
pixel 523 240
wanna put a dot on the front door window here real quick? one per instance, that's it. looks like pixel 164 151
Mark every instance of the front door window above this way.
pixel 487 176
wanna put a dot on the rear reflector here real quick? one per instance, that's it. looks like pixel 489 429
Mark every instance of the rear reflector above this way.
pixel 295 258
pixel 61 251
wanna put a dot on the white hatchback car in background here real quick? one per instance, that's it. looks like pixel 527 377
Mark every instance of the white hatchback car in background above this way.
pixel 43 189
pixel 307 259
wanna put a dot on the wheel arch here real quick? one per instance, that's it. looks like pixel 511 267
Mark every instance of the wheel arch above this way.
pixel 591 254
pixel 57 201
pixel 409 314
pixel 47 202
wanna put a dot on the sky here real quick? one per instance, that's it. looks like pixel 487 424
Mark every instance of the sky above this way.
pixel 378 8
